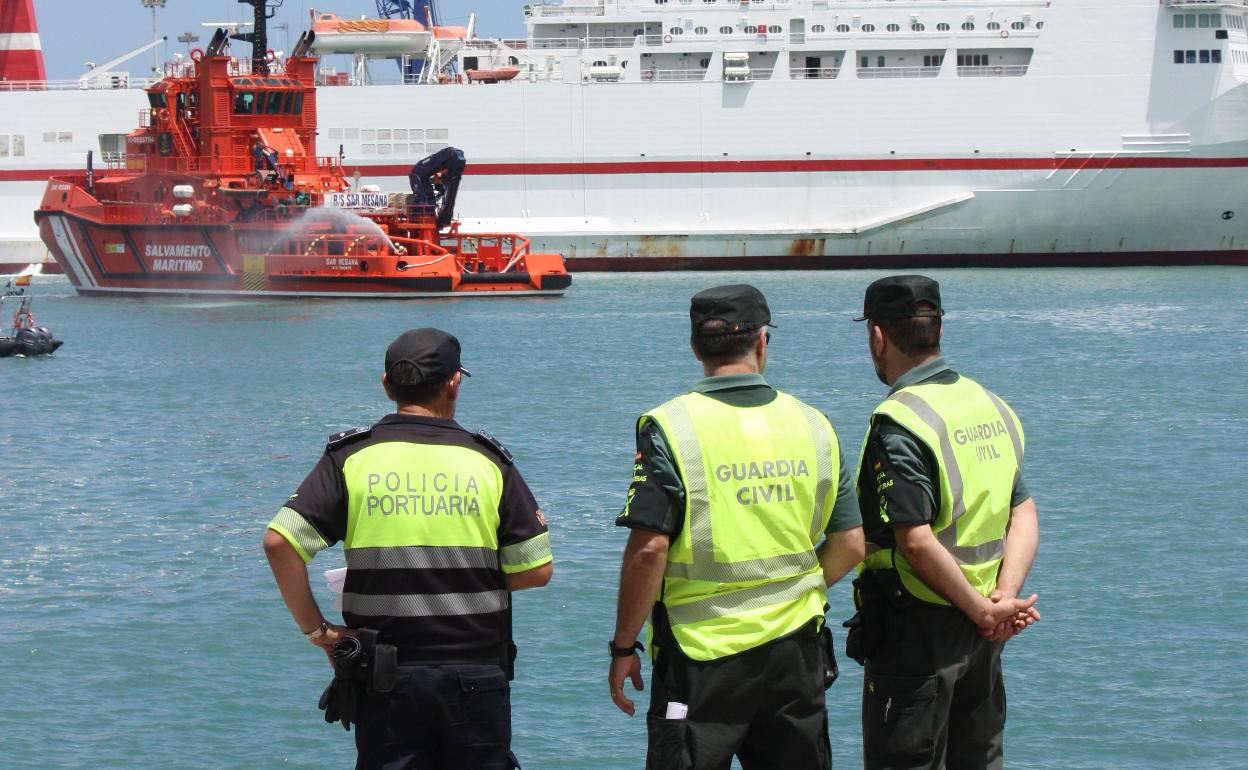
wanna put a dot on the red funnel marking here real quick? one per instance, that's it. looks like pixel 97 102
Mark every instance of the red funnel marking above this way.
pixel 21 55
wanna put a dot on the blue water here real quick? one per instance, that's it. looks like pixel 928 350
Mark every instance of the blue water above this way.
pixel 140 627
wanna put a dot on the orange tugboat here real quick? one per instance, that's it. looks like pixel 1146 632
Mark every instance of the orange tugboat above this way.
pixel 221 192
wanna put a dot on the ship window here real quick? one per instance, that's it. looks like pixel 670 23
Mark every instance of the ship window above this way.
pixel 894 28
pixel 704 63
pixel 4 145
pixel 157 100
pixel 1204 20
pixel 288 103
pixel 433 147
pixel 1018 25
pixel 700 30
pixel 993 25
pixel 1189 20
pixel 383 134
pixel 400 148
pixel 1178 21
pixel 818 28
pixel 437 133
pixel 1039 25
pixel 1178 57
pixel 274 105
pixel 942 27
pixel 1191 57
pixel 65 137
pixel 368 149
pixel 675 31
pixel 868 27
pixel 842 27
pixel 725 30
pixel 917 27
pixel 865 62
pixel 774 29
pixel 933 61
pixel 1216 56
pixel 401 134
pixel 968 26
pixel 335 133
pixel 299 103
pixel 383 149
pixel 1204 57
pixel 879 61
pixel 368 134
pixel 243 101
pixel 749 29
pixel 416 148
pixel 416 133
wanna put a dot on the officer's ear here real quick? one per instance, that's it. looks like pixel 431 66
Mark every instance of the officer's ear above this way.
pixel 452 386
pixel 877 340
pixel 385 385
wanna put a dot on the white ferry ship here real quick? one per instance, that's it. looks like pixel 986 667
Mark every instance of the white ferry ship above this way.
pixel 659 134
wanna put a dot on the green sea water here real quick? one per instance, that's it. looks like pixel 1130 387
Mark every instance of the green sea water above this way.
pixel 140 626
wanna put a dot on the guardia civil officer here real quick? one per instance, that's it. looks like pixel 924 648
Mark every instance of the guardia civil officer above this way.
pixel 940 488
pixel 438 529
pixel 734 486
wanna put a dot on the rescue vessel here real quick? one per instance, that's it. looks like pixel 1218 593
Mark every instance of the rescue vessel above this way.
pixel 221 191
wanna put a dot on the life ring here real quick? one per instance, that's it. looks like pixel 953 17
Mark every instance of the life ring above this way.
pixel 998 70
pixel 648 75
pixel 270 55
pixel 1005 33
pixel 667 38
pixel 197 54
pixel 827 72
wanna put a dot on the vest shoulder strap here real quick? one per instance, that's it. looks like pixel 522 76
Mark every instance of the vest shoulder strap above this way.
pixel 483 437
pixel 348 436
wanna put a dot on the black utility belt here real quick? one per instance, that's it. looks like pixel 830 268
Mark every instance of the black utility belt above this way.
pixel 427 659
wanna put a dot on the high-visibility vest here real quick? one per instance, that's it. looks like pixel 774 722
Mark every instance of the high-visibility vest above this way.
pixel 977 442
pixel 760 483
pixel 413 508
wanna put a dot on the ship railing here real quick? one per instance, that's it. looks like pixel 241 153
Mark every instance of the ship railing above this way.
pixel 1180 3
pixel 505 248
pixel 110 82
pixel 567 10
pixel 898 72
pixel 156 214
pixel 672 76
pixel 998 71
pixel 814 73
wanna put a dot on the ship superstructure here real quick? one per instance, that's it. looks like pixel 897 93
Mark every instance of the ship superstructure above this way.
pixel 647 134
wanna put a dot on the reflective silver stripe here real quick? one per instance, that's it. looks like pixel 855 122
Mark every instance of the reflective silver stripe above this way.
pixel 531 550
pixel 298 527
pixel 744 571
pixel 423 605
pixel 701 535
pixel 746 599
pixel 1012 428
pixel 821 432
pixel 693 474
pixel 422 557
pixel 948 537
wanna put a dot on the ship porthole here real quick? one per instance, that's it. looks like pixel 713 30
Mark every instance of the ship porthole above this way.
pixel 1228 214
pixel 64 197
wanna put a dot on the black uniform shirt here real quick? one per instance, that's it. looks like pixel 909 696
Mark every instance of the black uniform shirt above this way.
pixel 656 498
pixel 898 471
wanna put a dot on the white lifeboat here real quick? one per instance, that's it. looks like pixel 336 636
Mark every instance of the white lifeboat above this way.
pixel 375 37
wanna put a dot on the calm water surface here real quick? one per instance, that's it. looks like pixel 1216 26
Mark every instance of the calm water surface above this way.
pixel 141 626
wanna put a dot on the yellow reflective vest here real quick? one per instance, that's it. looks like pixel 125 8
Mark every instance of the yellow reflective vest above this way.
pixel 977 442
pixel 760 483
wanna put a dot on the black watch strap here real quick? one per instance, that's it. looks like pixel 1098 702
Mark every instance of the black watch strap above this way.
pixel 624 652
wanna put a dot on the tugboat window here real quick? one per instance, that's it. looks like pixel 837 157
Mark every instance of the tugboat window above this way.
pixel 299 103
pixel 275 103
pixel 288 103
pixel 243 101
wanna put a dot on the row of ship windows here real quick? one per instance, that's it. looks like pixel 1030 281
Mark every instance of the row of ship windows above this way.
pixel 389 134
pixel 1190 57
pixel 14 144
pixel 1203 20
pixel 400 148
pixel 776 29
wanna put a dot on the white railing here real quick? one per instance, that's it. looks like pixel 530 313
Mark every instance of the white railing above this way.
pixel 999 71
pixel 116 84
pixel 814 73
pixel 1180 3
pixel 672 76
pixel 570 42
pixel 567 10
pixel 898 72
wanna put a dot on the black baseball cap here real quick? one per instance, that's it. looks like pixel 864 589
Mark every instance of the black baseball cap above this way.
pixel 433 353
pixel 741 306
pixel 897 295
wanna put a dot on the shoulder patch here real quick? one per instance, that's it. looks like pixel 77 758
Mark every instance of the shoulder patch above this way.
pixel 346 437
pixel 493 443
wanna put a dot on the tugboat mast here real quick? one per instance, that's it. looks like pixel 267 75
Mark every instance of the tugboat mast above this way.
pixel 259 35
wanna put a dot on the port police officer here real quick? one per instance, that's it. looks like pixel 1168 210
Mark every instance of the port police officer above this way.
pixel 734 486
pixel 940 488
pixel 438 529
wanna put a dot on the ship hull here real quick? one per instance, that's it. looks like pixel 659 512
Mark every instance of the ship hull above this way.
pixel 203 260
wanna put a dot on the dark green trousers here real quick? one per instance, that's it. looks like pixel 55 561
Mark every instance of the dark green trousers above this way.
pixel 764 705
pixel 933 696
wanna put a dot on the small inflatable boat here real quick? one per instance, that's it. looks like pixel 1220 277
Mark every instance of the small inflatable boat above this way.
pixel 24 338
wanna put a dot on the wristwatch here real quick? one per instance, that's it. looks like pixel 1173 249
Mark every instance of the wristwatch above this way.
pixel 624 652
pixel 315 634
